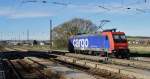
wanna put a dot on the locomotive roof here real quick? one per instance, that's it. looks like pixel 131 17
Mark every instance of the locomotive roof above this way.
pixel 84 35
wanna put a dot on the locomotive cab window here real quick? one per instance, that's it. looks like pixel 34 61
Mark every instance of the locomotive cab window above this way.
pixel 119 38
pixel 116 36
pixel 122 36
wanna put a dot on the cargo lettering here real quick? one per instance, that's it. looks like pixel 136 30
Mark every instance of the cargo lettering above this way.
pixel 83 43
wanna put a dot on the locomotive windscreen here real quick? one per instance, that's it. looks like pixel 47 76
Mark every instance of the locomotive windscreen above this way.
pixel 119 38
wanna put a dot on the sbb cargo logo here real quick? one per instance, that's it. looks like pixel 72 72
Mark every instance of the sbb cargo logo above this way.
pixel 83 43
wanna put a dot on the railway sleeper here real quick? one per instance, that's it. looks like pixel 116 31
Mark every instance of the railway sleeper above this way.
pixel 109 68
pixel 57 71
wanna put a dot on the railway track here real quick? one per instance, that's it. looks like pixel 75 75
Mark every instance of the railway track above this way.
pixel 2 70
pixel 138 69
pixel 7 70
pixel 61 71
pixel 38 68
pixel 14 70
pixel 95 71
pixel 124 71
pixel 131 63
pixel 142 59
pixel 26 71
pixel 123 68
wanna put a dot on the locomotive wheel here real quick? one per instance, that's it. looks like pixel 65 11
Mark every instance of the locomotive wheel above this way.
pixel 123 55
pixel 112 55
pixel 116 55
pixel 127 55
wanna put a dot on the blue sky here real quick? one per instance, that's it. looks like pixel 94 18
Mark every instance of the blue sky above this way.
pixel 16 16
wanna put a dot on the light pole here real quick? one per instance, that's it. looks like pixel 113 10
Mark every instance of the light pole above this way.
pixel 51 34
pixel 28 36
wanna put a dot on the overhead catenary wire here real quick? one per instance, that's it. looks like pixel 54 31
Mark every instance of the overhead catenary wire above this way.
pixel 145 1
pixel 44 1
pixel 104 7
pixel 140 10
pixel 31 1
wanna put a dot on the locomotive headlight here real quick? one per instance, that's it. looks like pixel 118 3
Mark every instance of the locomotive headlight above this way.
pixel 114 51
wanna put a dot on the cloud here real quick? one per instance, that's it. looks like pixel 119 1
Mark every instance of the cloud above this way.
pixel 34 14
pixel 5 11
pixel 85 8
pixel 16 14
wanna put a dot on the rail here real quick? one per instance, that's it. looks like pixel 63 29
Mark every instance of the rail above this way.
pixel 17 74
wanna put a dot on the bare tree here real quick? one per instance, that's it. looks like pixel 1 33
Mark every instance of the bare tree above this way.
pixel 62 32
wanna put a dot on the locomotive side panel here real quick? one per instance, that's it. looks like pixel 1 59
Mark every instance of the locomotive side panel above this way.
pixel 89 42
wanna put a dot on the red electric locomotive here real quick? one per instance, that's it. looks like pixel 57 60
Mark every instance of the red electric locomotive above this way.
pixel 107 43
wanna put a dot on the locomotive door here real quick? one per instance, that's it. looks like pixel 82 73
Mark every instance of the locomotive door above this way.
pixel 106 46
pixel 106 43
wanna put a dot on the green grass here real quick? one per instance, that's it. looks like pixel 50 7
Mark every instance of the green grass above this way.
pixel 140 49
pixel 137 37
